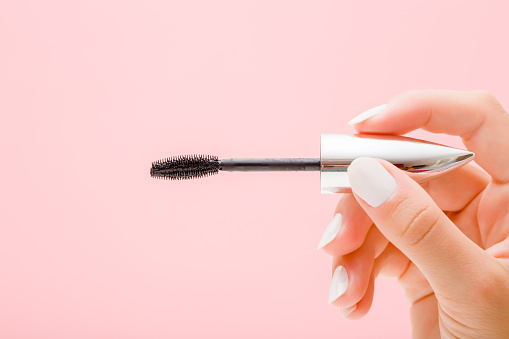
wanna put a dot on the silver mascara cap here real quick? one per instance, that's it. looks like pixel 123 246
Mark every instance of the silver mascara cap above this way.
pixel 422 160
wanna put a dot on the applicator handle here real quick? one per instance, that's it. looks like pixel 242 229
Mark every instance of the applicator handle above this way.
pixel 270 164
pixel 422 160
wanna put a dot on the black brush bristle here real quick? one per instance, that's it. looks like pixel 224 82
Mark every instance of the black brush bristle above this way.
pixel 183 167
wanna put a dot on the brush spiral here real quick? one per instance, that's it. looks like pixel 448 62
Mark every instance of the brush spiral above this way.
pixel 182 167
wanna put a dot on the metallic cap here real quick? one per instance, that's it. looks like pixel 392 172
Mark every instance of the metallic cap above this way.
pixel 423 160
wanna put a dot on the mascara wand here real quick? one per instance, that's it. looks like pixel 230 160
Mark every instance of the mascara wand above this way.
pixel 422 160
pixel 197 166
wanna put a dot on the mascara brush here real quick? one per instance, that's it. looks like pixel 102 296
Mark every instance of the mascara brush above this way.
pixel 422 160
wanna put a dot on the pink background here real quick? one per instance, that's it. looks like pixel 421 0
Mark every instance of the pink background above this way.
pixel 91 92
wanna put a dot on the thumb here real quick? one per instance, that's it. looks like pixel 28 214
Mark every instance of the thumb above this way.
pixel 410 219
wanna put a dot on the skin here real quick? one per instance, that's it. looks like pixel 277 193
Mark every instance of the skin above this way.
pixel 446 241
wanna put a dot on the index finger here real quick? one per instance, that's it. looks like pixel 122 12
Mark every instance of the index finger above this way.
pixel 476 116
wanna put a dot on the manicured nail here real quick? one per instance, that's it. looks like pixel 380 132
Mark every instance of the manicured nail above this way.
pixel 331 231
pixel 339 283
pixel 367 114
pixel 371 181
pixel 345 312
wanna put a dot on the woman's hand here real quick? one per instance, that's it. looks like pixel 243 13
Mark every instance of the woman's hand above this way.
pixel 447 241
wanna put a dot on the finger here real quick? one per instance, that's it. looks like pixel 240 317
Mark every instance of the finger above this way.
pixel 456 190
pixel 391 259
pixel 348 228
pixel 424 316
pixel 351 272
pixel 409 219
pixel 392 263
pixel 501 252
pixel 466 221
pixel 476 116
pixel 414 283
pixel 362 307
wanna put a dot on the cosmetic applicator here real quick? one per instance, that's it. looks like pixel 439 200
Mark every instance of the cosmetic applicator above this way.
pixel 422 160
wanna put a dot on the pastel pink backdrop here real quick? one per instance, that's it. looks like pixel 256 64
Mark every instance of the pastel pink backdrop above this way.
pixel 92 91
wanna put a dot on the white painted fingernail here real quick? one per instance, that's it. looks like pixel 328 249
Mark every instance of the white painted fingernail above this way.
pixel 331 231
pixel 367 114
pixel 339 283
pixel 345 312
pixel 371 181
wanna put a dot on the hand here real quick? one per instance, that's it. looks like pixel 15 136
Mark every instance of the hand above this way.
pixel 447 241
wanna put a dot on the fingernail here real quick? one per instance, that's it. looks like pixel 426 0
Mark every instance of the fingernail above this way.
pixel 339 283
pixel 345 312
pixel 371 181
pixel 331 231
pixel 367 114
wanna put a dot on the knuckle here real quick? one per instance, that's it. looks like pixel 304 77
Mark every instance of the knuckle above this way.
pixel 416 223
pixel 487 107
pixel 484 95
pixel 488 100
